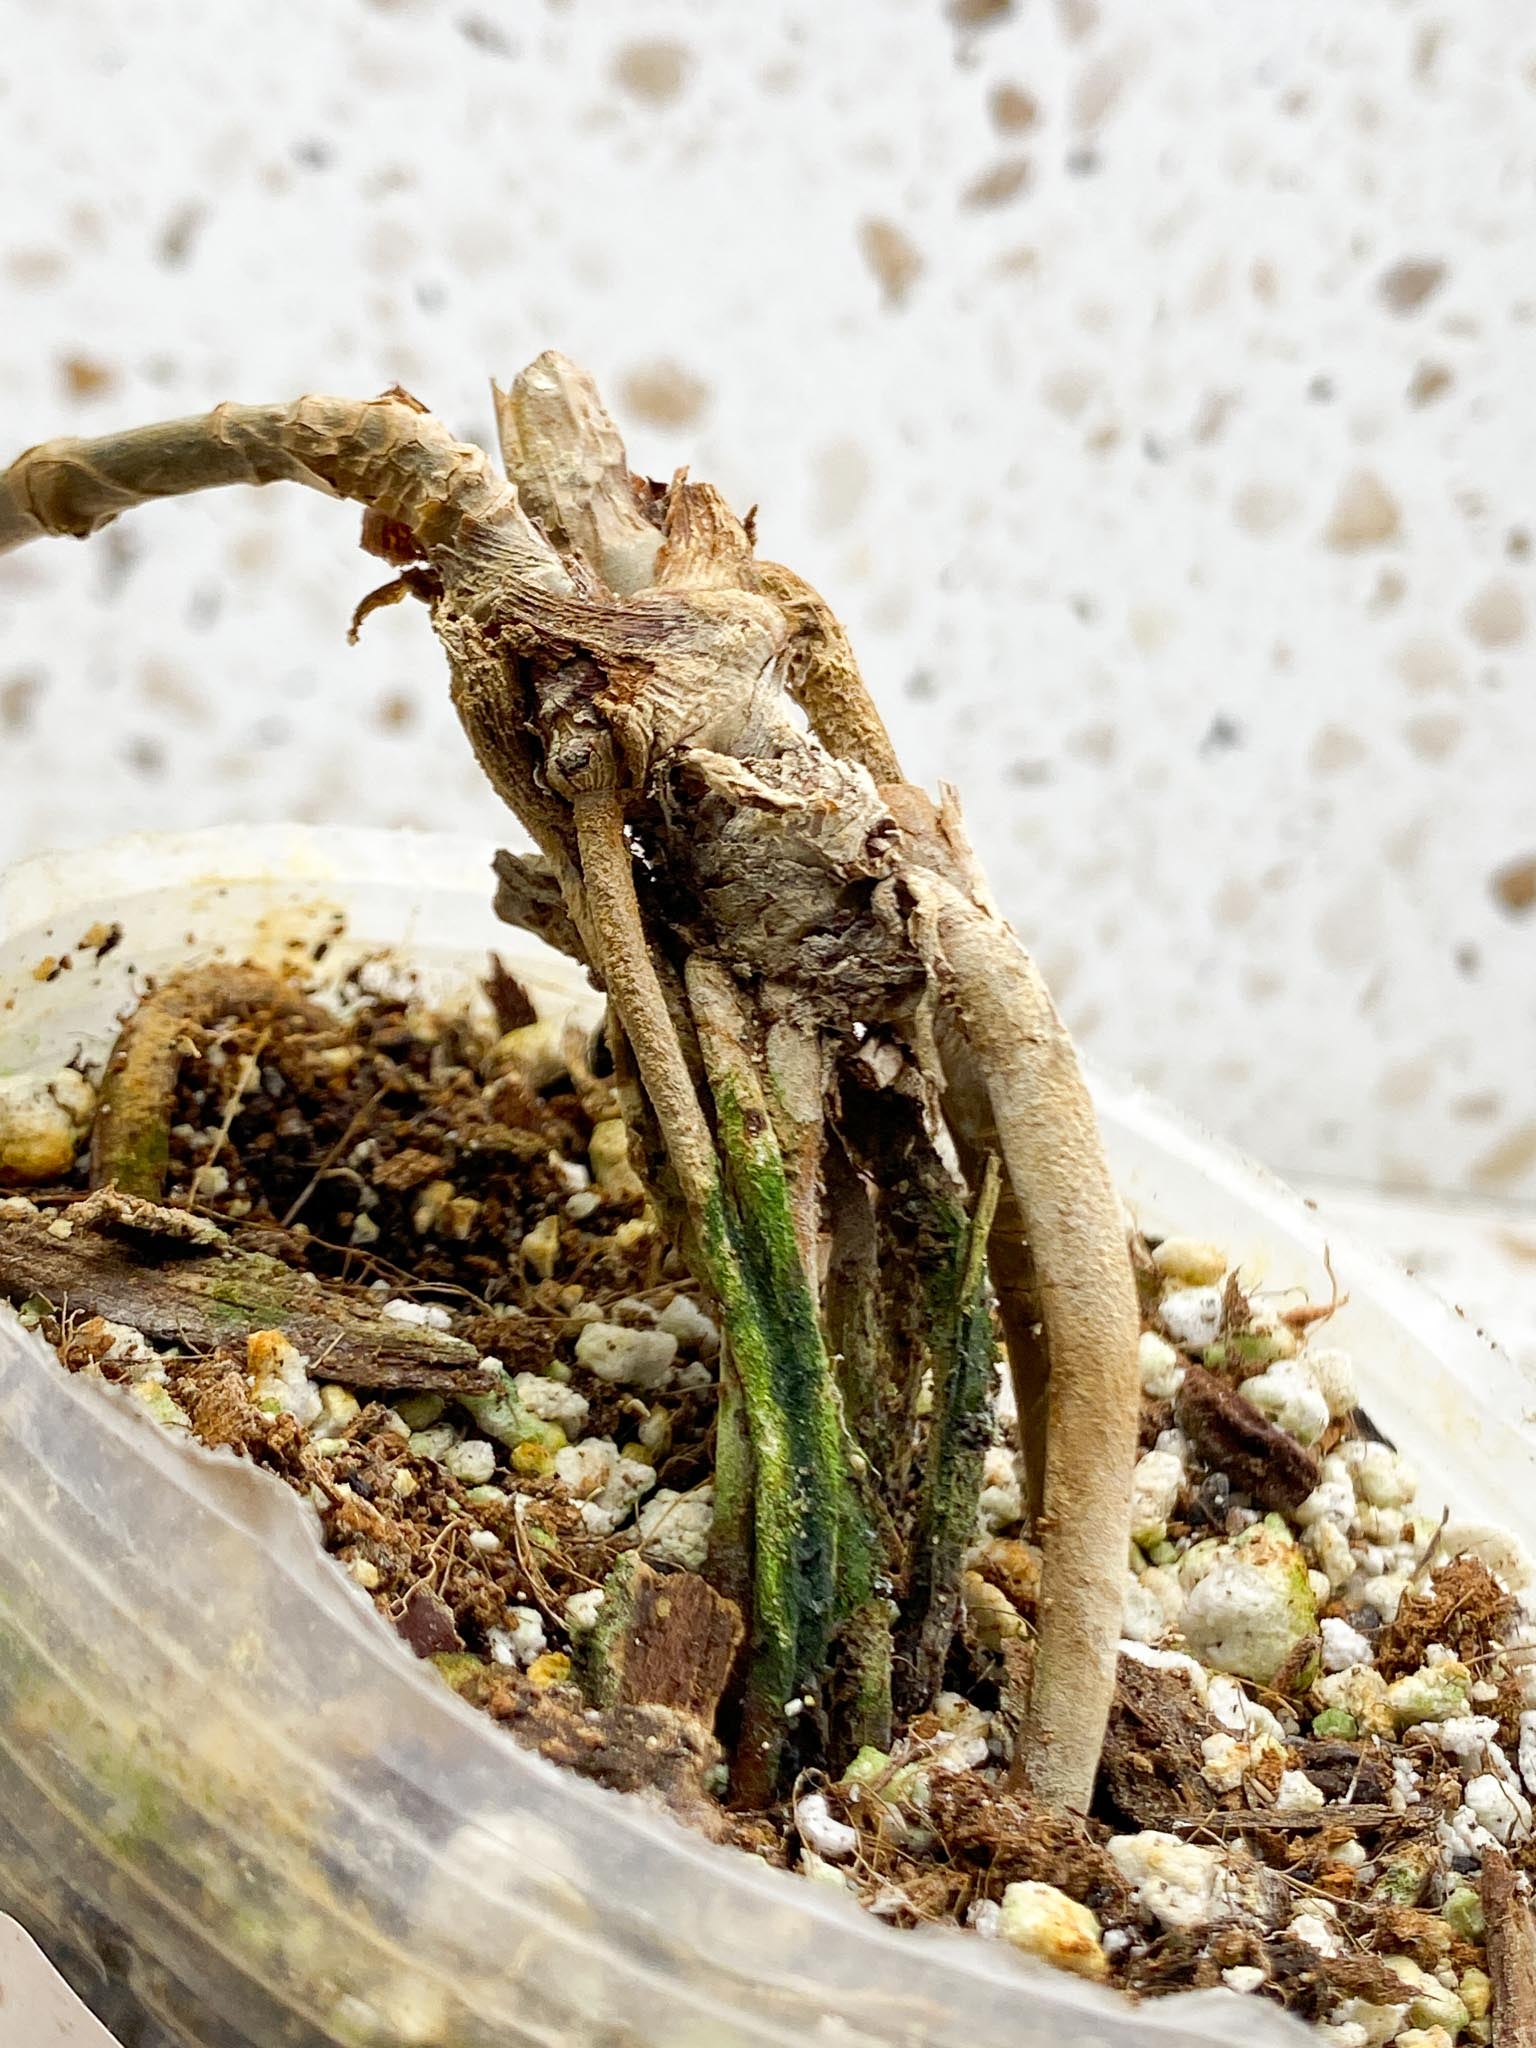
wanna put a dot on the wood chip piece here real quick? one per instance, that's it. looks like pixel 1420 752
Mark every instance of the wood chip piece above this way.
pixel 1511 1953
pixel 427 1623
pixel 204 1298
pixel 662 1638
pixel 1231 1435
pixel 1150 1774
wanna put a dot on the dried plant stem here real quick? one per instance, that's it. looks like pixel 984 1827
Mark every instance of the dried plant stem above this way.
pixel 823 676
pixel 387 453
pixel 635 990
pixel 1055 1161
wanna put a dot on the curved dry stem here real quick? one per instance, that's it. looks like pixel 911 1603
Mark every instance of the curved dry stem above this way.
pixel 386 453
pixel 968 1113
pixel 635 990
pixel 1072 1220
pixel 822 675
pixel 131 1136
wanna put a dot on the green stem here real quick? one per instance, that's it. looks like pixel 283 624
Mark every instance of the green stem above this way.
pixel 814 1556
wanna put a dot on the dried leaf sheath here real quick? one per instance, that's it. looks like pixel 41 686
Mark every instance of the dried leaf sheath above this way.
pixel 946 1514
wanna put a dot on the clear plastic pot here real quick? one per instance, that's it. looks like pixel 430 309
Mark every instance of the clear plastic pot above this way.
pixel 238 1813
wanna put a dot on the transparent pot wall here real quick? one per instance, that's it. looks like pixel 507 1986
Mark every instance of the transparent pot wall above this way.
pixel 237 1812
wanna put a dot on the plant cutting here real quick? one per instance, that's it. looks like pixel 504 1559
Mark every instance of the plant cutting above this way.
pixel 779 919
pixel 859 1130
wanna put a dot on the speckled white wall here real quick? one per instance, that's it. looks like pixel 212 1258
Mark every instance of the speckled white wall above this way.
pixel 1150 389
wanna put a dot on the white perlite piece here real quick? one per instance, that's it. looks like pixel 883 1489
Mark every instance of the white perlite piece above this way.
pixel 521 1643
pixel 1385 1593
pixel 583 1609
pixel 821 1832
pixel 1287 1393
pixel 1315 1930
pixel 1044 1922
pixel 1498 1805
pixel 1154 1489
pixel 625 1357
pixel 1382 1479
pixel 552 1401
pixel 1332 1499
pixel 1343 1645
pixel 683 1319
pixel 43 1118
pixel 472 1462
pixel 1254 1609
pixel 425 1314
pixel 1468 1738
pixel 1228 1761
pixel 1231 1708
pixel 1377 2023
pixel 1296 1793
pixel 1528 1749
pixel 1162 1369
pixel 1334 1373
pixel 1405 1784
pixel 674 1527
pixel 607 1485
pixel 1178 1884
pixel 1328 1545
pixel 1001 1504
pixel 1191 1316
pixel 1432 1693
pixel 280 1382
pixel 1143 1618
pixel 583 1468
